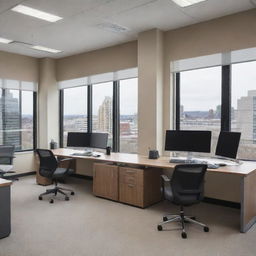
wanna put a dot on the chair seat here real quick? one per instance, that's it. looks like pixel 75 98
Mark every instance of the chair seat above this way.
pixel 5 168
pixel 59 172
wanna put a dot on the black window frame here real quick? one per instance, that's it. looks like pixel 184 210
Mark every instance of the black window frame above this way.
pixel 115 113
pixel 20 116
pixel 225 99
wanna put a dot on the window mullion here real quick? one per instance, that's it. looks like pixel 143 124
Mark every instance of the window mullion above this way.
pixel 89 108
pixel 226 99
pixel 61 102
pixel 177 91
pixel 116 116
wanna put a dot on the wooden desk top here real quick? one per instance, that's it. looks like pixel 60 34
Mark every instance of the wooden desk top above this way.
pixel 245 168
pixel 4 183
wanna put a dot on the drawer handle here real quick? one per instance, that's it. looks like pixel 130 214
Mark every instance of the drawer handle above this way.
pixel 131 185
pixel 130 171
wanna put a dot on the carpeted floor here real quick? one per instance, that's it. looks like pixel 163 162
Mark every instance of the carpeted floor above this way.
pixel 87 225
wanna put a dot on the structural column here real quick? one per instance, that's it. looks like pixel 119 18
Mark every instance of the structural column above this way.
pixel 150 94
pixel 48 103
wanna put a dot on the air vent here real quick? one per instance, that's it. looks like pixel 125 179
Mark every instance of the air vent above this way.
pixel 113 27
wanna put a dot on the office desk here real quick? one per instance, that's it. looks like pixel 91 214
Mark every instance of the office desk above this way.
pixel 246 171
pixel 5 208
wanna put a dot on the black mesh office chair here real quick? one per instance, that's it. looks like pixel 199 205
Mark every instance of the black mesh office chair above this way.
pixel 6 161
pixel 49 168
pixel 185 188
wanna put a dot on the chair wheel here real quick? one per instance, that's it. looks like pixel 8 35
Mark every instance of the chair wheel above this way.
pixel 51 201
pixel 184 235
pixel 66 198
pixel 165 218
pixel 206 229
pixel 72 193
pixel 40 198
pixel 159 228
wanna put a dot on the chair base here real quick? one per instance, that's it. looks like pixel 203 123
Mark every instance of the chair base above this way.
pixel 182 219
pixel 55 191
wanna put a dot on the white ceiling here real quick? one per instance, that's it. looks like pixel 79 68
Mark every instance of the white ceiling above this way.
pixel 81 30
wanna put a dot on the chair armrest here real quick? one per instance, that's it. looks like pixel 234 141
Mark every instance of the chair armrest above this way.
pixel 165 178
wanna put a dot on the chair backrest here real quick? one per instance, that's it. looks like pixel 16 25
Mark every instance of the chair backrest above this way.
pixel 6 154
pixel 48 162
pixel 187 183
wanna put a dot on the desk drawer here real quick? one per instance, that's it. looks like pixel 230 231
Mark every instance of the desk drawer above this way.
pixel 131 176
pixel 131 194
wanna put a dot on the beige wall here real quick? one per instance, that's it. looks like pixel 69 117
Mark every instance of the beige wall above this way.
pixel 109 59
pixel 19 67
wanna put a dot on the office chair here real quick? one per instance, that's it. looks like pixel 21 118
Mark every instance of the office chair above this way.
pixel 185 188
pixel 6 161
pixel 49 168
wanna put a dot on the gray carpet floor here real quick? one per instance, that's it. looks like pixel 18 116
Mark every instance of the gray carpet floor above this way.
pixel 87 225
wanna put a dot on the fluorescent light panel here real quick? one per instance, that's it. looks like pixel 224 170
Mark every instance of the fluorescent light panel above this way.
pixel 35 13
pixel 5 41
pixel 185 3
pixel 45 49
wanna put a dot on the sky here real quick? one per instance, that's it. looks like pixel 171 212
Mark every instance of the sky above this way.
pixel 201 89
pixel 75 99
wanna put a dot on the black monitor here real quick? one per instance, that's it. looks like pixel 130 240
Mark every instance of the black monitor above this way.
pixel 188 141
pixel 228 143
pixel 87 140
pixel 79 139
pixel 99 140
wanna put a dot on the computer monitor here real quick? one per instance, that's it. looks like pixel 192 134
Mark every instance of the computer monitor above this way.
pixel 188 141
pixel 227 145
pixel 99 140
pixel 87 140
pixel 79 139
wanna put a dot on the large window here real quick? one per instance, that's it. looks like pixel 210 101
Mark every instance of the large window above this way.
pixel 243 111
pixel 102 109
pixel 200 101
pixel 74 111
pixel 109 107
pixel 219 98
pixel 128 115
pixel 17 121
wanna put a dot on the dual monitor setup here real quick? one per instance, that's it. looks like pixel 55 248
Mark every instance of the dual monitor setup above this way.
pixel 200 142
pixel 87 141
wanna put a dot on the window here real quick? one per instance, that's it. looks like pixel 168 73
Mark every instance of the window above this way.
pixel 128 115
pixel 200 101
pixel 102 103
pixel 102 109
pixel 17 115
pixel 74 111
pixel 243 111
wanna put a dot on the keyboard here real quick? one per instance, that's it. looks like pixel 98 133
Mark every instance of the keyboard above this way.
pixel 83 153
pixel 194 161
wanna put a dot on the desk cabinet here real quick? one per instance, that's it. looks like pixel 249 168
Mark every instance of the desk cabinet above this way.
pixel 135 186
pixel 105 181
pixel 139 187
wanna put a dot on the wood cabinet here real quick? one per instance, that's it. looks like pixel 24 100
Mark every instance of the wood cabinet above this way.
pixel 105 181
pixel 139 187
pixel 135 186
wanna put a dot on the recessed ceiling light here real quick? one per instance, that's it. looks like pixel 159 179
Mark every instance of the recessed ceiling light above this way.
pixel 185 3
pixel 45 49
pixel 35 13
pixel 5 41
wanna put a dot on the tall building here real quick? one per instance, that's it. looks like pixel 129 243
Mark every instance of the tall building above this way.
pixel 10 120
pixel 246 114
pixel 105 115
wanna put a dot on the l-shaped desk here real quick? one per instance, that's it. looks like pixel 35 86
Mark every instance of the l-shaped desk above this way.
pixel 246 171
